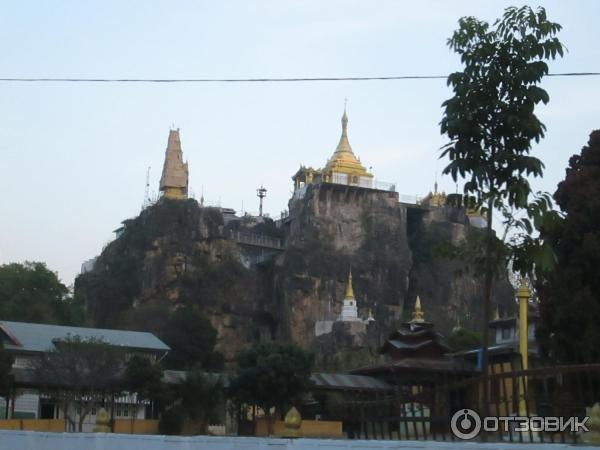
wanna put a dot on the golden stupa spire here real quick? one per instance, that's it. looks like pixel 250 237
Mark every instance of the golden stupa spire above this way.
pixel 174 179
pixel 418 315
pixel 343 161
pixel 344 144
pixel 349 290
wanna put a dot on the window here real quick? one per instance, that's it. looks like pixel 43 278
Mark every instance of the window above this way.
pixel 126 410
pixel 506 333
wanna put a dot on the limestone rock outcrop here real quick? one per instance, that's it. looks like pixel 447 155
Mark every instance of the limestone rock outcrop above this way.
pixel 178 253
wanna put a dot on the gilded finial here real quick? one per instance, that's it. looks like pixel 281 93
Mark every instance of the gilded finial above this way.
pixel 345 119
pixel 349 290
pixel 524 291
pixel 418 315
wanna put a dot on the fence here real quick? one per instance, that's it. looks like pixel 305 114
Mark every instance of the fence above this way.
pixel 425 412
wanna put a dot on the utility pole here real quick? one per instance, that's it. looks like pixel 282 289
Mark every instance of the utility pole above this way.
pixel 523 295
pixel 261 193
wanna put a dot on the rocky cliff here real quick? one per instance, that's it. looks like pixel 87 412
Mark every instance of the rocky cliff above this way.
pixel 177 253
pixel 392 250
pixel 173 254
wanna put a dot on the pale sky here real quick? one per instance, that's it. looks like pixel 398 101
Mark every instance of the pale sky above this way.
pixel 73 157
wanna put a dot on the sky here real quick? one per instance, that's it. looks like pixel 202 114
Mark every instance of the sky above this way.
pixel 73 157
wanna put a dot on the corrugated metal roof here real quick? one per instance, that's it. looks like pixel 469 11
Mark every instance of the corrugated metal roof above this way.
pixel 442 364
pixel 179 376
pixel 350 382
pixel 36 337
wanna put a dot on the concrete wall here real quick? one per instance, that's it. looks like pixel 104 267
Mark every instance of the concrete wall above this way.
pixel 124 426
pixel 128 426
pixel 54 425
pixel 309 428
pixel 27 440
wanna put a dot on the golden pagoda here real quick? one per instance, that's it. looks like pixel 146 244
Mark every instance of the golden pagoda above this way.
pixel 435 198
pixel 174 179
pixel 344 167
pixel 349 289
pixel 418 315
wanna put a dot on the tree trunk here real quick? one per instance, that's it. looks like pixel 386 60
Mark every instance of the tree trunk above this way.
pixel 81 419
pixel 269 422
pixel 68 419
pixel 12 404
pixel 112 412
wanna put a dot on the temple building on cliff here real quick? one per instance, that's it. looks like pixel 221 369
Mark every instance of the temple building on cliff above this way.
pixel 343 167
pixel 174 179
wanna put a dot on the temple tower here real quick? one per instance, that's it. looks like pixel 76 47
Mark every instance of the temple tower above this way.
pixel 174 179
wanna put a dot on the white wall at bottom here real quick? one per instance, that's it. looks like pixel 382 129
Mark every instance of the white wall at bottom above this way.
pixel 30 440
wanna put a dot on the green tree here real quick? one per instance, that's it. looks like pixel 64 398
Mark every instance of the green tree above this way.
pixel 30 292
pixel 201 395
pixel 192 339
pixel 80 373
pixel 6 377
pixel 569 299
pixel 491 124
pixel 270 375
pixel 464 339
pixel 144 377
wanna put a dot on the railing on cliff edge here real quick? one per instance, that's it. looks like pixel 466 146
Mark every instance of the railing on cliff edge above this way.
pixel 257 240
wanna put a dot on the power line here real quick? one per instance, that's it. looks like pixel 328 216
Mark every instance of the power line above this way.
pixel 254 80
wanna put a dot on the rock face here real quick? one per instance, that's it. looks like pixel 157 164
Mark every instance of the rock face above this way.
pixel 178 253
pixel 173 254
pixel 391 248
pixel 332 229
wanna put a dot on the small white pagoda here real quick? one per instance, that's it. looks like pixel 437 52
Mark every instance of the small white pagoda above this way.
pixel 349 310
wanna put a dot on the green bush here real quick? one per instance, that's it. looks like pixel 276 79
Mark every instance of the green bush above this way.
pixel 171 422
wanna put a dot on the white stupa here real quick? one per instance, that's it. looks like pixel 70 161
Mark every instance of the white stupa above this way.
pixel 349 310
